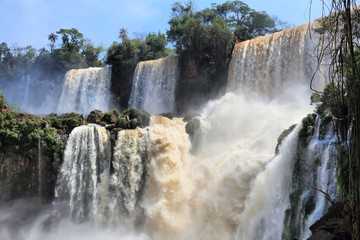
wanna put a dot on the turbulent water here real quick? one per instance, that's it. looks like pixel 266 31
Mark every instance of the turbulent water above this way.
pixel 85 90
pixel 154 85
pixel 87 155
pixel 313 181
pixel 232 187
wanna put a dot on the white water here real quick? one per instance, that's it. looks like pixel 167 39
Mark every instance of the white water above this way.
pixel 128 178
pixel 323 151
pixel 233 187
pixel 86 156
pixel 154 85
pixel 270 64
pixel 85 90
pixel 265 207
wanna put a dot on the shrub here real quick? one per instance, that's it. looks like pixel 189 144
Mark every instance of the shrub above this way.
pixel 308 126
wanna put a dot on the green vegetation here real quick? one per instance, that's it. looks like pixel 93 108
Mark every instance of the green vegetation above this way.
pixel 342 97
pixel 73 51
pixel 307 126
pixel 214 29
pixel 130 119
pixel 282 136
pixel 131 51
pixel 342 177
pixel 136 118
pixel 28 131
pixel 123 57
pixel 3 103
pixel 204 40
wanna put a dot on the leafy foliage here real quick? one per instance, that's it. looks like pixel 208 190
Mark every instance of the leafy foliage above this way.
pixel 307 126
pixel 131 51
pixel 205 39
pixel 3 103
pixel 124 55
pixel 28 131
pixel 340 31
pixel 206 30
pixel 73 52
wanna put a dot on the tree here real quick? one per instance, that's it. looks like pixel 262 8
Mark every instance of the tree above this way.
pixel 156 45
pixel 15 61
pixel 131 51
pixel 72 39
pixel 91 54
pixel 190 30
pixel 52 38
pixel 245 23
pixel 340 34
pixel 4 51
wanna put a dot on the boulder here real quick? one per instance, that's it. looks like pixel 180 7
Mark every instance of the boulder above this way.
pixel 94 117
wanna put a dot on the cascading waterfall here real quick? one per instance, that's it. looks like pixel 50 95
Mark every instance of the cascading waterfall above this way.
pixel 86 156
pixel 128 176
pixel 154 85
pixel 272 63
pixel 168 192
pixel 314 176
pixel 232 186
pixel 85 90
pixel 268 200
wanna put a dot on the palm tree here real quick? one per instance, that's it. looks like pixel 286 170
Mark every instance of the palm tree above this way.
pixel 52 38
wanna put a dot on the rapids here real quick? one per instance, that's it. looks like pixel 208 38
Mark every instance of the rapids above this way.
pixel 148 184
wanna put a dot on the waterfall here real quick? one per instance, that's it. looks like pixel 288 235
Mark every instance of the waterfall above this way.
pixel 33 95
pixel 128 177
pixel 265 207
pixel 314 175
pixel 86 156
pixel 168 192
pixel 232 186
pixel 324 151
pixel 154 85
pixel 272 63
pixel 85 90
pixel 81 91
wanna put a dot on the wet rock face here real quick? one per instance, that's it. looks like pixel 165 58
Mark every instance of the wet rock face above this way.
pixel 335 224
pixel 20 176
pixel 17 176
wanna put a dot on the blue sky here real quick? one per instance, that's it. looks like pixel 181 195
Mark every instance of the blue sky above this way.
pixel 29 22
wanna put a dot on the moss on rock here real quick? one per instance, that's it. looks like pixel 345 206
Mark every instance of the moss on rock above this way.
pixel 137 118
pixel 94 117
pixel 282 136
pixel 307 126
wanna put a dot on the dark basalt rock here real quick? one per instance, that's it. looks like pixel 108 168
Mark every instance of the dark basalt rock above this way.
pixel 334 225
pixel 192 127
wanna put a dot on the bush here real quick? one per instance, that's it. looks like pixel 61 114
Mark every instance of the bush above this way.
pixel 110 117
pixel 3 103
pixel 122 123
pixel 137 117
pixel 282 136
pixel 308 126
